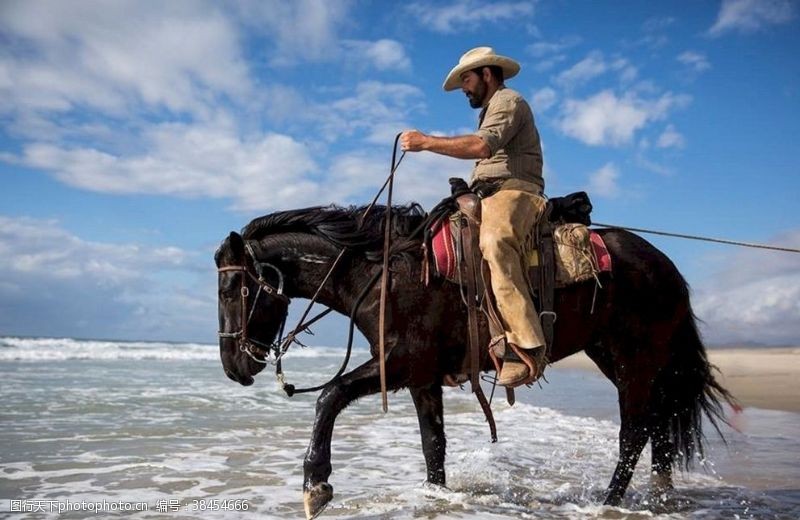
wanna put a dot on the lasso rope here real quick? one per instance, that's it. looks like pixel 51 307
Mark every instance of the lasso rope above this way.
pixel 704 239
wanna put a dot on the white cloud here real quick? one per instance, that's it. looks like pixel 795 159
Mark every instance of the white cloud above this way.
pixel 255 170
pixel 421 177
pixel 604 182
pixel 129 60
pixel 468 14
pixel 357 176
pixel 548 54
pixel 377 108
pixel 590 67
pixel 670 138
pixel 543 49
pixel 751 15
pixel 182 60
pixel 55 283
pixel 549 63
pixel 696 60
pixel 656 30
pixel 189 161
pixel 594 65
pixel 42 247
pixel 301 30
pixel 605 119
pixel 544 99
pixel 754 298
pixel 110 56
pixel 645 163
pixel 153 98
pixel 371 110
pixel 382 54
pixel 627 72
pixel 658 23
pixel 309 31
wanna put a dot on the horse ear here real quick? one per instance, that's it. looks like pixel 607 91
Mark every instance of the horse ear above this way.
pixel 237 244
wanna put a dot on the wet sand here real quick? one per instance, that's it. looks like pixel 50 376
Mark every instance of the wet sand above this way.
pixel 758 377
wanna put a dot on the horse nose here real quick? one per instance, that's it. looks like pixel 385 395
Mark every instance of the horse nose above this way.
pixel 230 375
pixel 242 380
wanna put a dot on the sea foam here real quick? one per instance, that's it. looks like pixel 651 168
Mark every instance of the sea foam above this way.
pixel 61 349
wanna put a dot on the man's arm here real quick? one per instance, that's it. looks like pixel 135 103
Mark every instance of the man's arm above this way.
pixel 460 147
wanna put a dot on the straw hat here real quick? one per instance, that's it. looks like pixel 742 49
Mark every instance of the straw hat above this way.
pixel 479 57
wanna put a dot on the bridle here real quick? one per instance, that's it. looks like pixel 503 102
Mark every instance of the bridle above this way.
pixel 250 346
pixel 259 351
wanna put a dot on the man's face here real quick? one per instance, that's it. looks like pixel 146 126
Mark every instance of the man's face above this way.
pixel 474 87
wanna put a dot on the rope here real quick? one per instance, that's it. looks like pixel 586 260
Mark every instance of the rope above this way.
pixel 290 389
pixel 301 326
pixel 704 239
pixel 386 273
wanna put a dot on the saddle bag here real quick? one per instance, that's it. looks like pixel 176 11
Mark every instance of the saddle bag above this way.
pixel 575 257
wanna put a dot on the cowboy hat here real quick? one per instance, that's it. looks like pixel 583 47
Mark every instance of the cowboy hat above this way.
pixel 479 57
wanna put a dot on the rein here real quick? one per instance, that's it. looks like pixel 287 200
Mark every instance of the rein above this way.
pixel 290 388
pixel 385 273
pixel 387 243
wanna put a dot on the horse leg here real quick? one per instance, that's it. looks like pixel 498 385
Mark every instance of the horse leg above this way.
pixel 633 430
pixel 661 446
pixel 662 454
pixel 428 401
pixel 603 360
pixel 632 439
pixel 362 381
pixel 634 376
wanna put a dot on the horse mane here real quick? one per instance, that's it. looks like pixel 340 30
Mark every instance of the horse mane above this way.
pixel 343 227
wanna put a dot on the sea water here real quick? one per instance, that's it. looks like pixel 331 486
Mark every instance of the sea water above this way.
pixel 155 430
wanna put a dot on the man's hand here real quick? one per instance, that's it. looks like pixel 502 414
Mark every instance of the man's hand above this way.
pixel 413 141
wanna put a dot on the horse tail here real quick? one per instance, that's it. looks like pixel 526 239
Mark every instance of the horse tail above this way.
pixel 686 391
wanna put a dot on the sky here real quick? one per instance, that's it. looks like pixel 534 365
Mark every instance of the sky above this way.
pixel 135 135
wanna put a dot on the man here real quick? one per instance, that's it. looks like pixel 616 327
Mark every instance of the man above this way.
pixel 508 169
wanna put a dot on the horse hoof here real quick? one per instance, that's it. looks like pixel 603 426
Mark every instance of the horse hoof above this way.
pixel 613 500
pixel 660 484
pixel 316 498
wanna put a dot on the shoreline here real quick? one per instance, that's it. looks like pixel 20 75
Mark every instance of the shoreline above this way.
pixel 766 378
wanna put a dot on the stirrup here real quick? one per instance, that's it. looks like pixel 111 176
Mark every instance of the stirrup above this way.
pixel 536 363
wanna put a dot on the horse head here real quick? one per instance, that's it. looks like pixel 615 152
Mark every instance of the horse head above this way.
pixel 252 308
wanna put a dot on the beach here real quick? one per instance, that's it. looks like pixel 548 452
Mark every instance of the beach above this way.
pixel 766 378
pixel 157 429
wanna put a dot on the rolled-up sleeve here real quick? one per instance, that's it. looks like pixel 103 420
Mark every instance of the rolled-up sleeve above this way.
pixel 500 123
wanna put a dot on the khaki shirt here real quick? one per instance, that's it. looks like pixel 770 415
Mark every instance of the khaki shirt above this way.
pixel 507 128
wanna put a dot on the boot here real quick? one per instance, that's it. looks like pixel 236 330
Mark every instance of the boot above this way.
pixel 522 366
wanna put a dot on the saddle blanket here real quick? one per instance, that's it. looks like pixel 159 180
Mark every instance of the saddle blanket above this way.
pixel 580 252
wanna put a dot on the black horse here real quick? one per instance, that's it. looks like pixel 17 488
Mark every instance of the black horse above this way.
pixel 641 334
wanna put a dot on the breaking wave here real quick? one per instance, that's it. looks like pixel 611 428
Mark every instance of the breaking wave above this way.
pixel 62 349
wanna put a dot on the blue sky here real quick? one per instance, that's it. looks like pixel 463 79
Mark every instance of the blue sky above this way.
pixel 135 135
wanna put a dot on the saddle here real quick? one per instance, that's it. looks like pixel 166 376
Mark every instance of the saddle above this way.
pixel 567 252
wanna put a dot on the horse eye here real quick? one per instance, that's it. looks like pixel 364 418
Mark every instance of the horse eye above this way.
pixel 229 291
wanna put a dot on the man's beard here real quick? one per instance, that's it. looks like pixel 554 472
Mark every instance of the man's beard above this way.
pixel 476 98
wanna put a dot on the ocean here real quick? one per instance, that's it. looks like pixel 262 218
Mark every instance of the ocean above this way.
pixel 96 429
